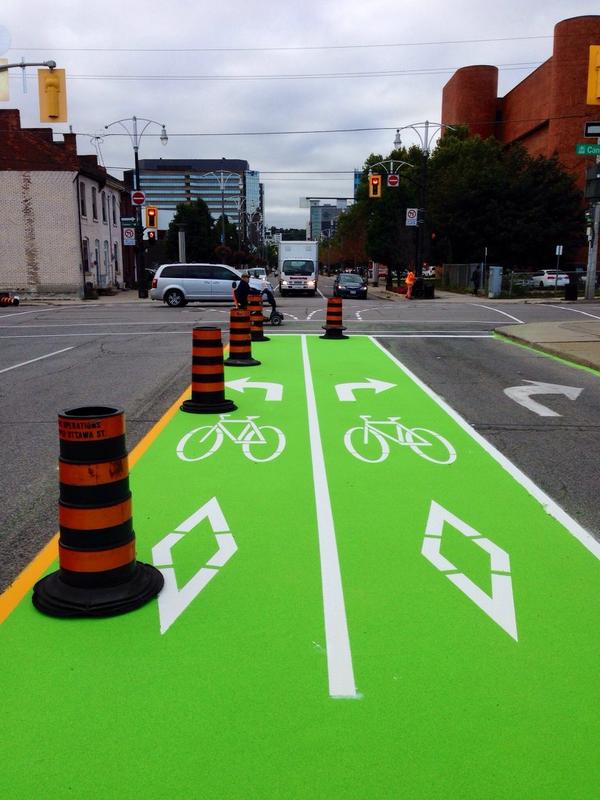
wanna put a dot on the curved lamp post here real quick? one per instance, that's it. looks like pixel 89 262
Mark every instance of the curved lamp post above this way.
pixel 135 135
pixel 429 129
pixel 224 176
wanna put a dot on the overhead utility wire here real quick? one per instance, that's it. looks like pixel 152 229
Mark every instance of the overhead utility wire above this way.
pixel 270 49
pixel 289 76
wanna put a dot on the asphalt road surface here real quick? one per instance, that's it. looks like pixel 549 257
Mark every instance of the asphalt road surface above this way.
pixel 136 355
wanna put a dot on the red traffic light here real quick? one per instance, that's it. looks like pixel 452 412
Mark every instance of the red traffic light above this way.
pixel 374 185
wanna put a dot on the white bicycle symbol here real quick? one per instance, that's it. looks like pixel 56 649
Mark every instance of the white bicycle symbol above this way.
pixel 369 443
pixel 259 442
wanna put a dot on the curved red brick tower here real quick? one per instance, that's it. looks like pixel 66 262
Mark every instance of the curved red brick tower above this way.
pixel 470 98
pixel 568 107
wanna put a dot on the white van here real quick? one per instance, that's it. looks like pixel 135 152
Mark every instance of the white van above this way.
pixel 178 284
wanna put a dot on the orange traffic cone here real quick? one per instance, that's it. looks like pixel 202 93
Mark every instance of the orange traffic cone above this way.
pixel 99 575
pixel 208 382
pixel 240 349
pixel 333 321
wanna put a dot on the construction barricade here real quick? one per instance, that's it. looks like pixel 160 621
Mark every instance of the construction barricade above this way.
pixel 240 348
pixel 333 322
pixel 208 381
pixel 98 575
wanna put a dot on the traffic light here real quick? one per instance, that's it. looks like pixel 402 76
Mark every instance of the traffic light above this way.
pixel 593 86
pixel 151 217
pixel 52 88
pixel 374 185
pixel 152 236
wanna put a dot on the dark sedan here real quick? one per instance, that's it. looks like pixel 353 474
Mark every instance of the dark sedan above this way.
pixel 348 284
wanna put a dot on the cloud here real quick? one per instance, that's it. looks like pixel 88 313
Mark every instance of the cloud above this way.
pixel 167 92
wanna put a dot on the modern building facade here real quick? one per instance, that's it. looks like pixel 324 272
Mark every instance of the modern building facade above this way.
pixel 545 112
pixel 226 185
pixel 61 215
pixel 323 218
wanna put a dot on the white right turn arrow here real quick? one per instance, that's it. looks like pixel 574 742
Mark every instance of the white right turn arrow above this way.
pixel 522 396
pixel 345 391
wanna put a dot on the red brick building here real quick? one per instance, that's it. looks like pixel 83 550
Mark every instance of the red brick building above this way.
pixel 545 112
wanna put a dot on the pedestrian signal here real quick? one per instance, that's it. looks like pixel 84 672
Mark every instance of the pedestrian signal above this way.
pixel 374 185
pixel 52 88
pixel 151 217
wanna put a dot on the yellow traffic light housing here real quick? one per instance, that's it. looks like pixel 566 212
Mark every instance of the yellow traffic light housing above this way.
pixel 374 185
pixel 4 94
pixel 52 88
pixel 593 87
pixel 151 217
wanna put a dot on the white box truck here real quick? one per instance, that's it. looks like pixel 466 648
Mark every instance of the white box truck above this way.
pixel 298 267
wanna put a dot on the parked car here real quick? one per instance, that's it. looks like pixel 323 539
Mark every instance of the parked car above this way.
pixel 349 284
pixel 178 284
pixel 258 272
pixel 547 278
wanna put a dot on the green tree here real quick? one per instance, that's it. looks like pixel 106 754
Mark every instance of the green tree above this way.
pixel 199 238
pixel 231 234
pixel 482 194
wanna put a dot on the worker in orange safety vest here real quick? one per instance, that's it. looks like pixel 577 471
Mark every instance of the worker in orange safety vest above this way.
pixel 410 282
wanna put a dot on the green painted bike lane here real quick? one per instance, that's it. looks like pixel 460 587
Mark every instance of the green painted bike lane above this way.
pixel 232 698
pixel 473 613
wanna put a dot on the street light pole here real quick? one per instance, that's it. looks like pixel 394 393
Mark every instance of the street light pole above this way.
pixel 425 147
pixel 139 226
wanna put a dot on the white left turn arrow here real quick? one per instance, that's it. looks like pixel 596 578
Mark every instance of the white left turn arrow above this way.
pixel 522 396
pixel 345 391
pixel 274 391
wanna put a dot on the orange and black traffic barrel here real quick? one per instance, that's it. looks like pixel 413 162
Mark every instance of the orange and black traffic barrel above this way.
pixel 240 348
pixel 256 319
pixel 98 575
pixel 8 300
pixel 208 381
pixel 333 322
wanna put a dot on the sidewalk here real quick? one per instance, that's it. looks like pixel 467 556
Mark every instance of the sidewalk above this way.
pixel 577 341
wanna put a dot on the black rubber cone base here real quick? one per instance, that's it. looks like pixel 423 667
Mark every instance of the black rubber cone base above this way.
pixel 262 338
pixel 193 407
pixel 334 333
pixel 56 598
pixel 242 362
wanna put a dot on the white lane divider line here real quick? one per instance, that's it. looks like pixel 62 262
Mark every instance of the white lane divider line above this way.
pixel 574 310
pixel 312 313
pixel 339 656
pixel 291 316
pixel 31 360
pixel 497 310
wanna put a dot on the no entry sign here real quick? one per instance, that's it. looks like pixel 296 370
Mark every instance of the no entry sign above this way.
pixel 393 180
pixel 137 198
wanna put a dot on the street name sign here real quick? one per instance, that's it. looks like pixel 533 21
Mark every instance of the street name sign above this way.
pixel 584 149
pixel 128 222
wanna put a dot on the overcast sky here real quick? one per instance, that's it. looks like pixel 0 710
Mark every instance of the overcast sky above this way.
pixel 149 59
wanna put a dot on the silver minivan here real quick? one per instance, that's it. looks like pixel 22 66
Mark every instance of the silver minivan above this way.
pixel 178 284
